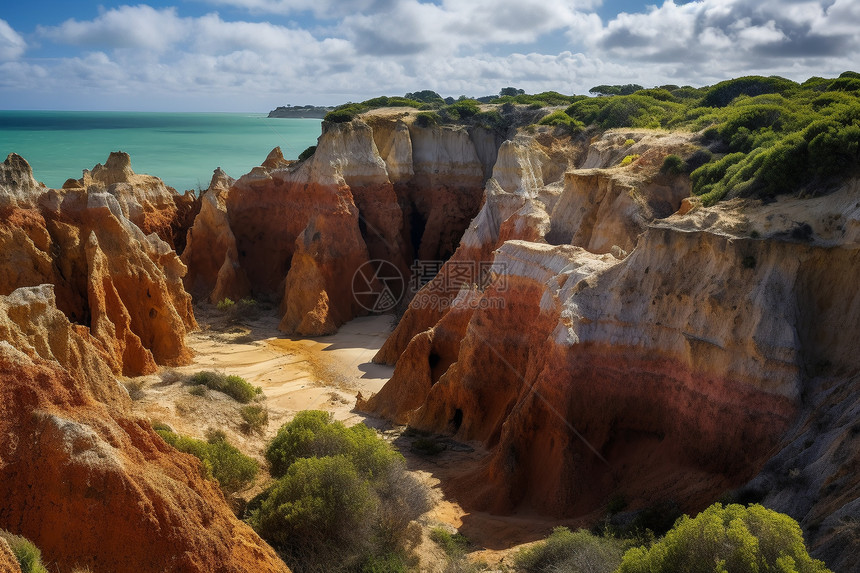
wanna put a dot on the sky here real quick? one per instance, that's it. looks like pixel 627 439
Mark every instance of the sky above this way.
pixel 255 55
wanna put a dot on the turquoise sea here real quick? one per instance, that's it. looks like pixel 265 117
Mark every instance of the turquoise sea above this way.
pixel 181 148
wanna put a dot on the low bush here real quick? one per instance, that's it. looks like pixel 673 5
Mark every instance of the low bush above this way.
pixel 307 153
pixel 629 159
pixel 571 551
pixel 28 555
pixel 255 418
pixel 337 487
pixel 561 119
pixel 233 470
pixel 427 119
pixel 234 386
pixel 135 388
pixel 730 538
pixel 453 544
pixel 672 165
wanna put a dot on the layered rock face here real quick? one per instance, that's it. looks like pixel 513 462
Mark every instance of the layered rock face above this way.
pixel 124 285
pixel 379 188
pixel 144 199
pixel 89 484
pixel 612 349
pixel 214 272
pixel 538 193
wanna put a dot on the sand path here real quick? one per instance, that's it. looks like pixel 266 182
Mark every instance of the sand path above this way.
pixel 324 373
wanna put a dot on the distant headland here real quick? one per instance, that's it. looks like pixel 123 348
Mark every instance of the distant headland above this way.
pixel 300 111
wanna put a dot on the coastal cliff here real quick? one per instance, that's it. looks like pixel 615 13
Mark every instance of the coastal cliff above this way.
pixel 374 190
pixel 86 481
pixel 600 332
pixel 125 285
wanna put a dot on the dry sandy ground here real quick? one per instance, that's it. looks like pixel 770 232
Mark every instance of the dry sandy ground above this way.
pixel 323 373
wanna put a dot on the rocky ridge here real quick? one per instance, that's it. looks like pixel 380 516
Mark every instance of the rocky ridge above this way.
pixel 75 465
pixel 614 350
pixel 380 189
pixel 125 285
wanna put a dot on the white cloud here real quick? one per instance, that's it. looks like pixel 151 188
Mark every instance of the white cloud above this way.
pixel 139 27
pixel 146 57
pixel 12 45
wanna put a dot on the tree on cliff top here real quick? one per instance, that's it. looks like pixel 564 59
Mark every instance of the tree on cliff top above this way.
pixel 605 90
pixel 513 92
pixel 425 96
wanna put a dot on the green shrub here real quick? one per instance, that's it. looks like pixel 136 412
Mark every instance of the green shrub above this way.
pixel 199 391
pixel 559 118
pixel 629 159
pixel 234 386
pixel 575 552
pixel 28 555
pixel 225 304
pixel 307 153
pixel 672 165
pixel 723 93
pixel 232 469
pixel 427 119
pixel 460 110
pixel 255 418
pixel 317 499
pixel 731 538
pixel 338 487
pixel 313 433
pixel 344 115
pixel 135 388
pixel 454 545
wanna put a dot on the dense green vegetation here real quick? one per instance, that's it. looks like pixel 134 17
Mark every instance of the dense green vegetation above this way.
pixel 234 386
pixel 343 500
pixel 766 135
pixel 28 555
pixel 769 135
pixel 232 469
pixel 723 539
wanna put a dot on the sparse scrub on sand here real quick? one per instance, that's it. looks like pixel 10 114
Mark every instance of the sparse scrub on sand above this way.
pixel 234 386
pixel 233 470
pixel 135 388
pixel 338 487
pixel 28 555
pixel 244 309
pixel 566 551
pixel 255 418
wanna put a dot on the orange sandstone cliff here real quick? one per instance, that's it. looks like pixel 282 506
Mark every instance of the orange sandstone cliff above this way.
pixel 125 285
pixel 298 232
pixel 88 483
pixel 617 344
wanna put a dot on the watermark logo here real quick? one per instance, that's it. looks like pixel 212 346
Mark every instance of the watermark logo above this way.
pixel 377 286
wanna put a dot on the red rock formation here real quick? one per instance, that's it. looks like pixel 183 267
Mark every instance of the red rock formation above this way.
pixel 537 193
pixel 145 200
pixel 90 485
pixel 210 254
pixel 668 373
pixel 382 188
pixel 126 286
